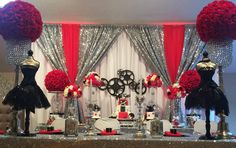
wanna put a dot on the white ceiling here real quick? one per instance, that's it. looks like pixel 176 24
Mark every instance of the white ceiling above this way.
pixel 118 12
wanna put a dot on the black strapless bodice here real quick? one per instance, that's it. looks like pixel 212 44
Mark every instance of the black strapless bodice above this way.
pixel 208 94
pixel 27 95
pixel 29 75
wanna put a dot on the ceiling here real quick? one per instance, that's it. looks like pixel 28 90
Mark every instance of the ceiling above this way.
pixel 118 12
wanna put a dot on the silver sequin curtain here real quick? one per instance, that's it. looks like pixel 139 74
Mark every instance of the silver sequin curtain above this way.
pixel 50 43
pixel 95 40
pixel 192 50
pixel 148 40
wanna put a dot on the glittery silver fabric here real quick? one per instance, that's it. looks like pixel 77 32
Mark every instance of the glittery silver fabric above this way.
pixel 148 41
pixel 192 50
pixel 95 40
pixel 116 141
pixel 220 52
pixel 50 43
pixel 6 83
pixel 17 50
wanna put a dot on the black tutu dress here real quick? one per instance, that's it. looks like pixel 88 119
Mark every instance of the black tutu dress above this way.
pixel 208 94
pixel 28 94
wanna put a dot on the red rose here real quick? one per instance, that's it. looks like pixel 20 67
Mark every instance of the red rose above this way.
pixel 217 21
pixel 153 80
pixel 190 80
pixel 20 20
pixel 56 80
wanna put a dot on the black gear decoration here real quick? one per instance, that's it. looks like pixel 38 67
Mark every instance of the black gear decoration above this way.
pixel 115 87
pixel 144 88
pixel 132 85
pixel 126 76
pixel 104 84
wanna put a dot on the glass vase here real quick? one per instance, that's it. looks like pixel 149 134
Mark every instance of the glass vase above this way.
pixel 176 114
pixel 57 102
pixel 71 117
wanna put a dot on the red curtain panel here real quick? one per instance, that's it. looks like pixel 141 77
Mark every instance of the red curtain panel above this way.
pixel 173 45
pixel 70 38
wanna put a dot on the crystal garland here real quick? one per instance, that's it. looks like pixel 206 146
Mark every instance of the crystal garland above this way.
pixel 220 52
pixel 17 50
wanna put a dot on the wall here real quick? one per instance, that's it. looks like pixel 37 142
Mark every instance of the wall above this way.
pixel 230 91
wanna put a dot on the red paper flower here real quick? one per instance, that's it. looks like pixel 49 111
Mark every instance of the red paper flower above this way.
pixel 72 91
pixel 153 80
pixel 175 91
pixel 94 77
pixel 217 21
pixel 56 80
pixel 20 20
pixel 190 80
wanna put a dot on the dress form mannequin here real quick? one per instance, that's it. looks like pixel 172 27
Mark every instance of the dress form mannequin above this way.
pixel 208 95
pixel 28 95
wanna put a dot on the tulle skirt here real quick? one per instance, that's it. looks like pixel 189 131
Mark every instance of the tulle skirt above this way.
pixel 208 95
pixel 26 97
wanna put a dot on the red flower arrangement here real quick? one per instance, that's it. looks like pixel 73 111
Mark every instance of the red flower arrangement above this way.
pixel 56 80
pixel 153 80
pixel 217 21
pixel 20 20
pixel 175 91
pixel 190 80
pixel 72 91
pixel 94 77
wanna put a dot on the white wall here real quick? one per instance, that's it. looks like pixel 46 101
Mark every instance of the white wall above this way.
pixel 230 92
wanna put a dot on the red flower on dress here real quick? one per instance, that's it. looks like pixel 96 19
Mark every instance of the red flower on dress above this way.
pixel 153 80
pixel 56 80
pixel 72 91
pixel 175 91
pixel 217 21
pixel 20 20
pixel 94 77
pixel 190 80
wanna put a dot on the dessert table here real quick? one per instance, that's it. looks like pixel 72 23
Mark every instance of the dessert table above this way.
pixel 115 141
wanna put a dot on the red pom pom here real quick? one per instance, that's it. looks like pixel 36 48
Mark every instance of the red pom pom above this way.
pixel 175 91
pixel 217 21
pixel 20 20
pixel 72 91
pixel 56 80
pixel 153 80
pixel 190 80
pixel 94 77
